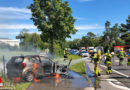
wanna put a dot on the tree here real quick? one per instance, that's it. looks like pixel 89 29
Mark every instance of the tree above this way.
pixel 89 40
pixel 111 35
pixel 125 31
pixel 30 41
pixel 90 35
pixel 54 19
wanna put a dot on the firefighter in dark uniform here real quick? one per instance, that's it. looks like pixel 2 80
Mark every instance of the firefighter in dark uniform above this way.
pixel 65 55
pixel 92 56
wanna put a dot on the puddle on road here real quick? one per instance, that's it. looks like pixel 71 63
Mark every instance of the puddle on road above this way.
pixel 74 81
pixel 78 81
pixel 95 80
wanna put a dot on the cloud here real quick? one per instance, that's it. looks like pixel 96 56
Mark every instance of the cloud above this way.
pixel 12 35
pixel 89 27
pixel 13 9
pixel 14 17
pixel 16 33
pixel 7 13
pixel 16 26
pixel 80 33
pixel 80 18
pixel 85 0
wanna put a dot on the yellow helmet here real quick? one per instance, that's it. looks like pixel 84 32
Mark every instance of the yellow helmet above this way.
pixel 121 49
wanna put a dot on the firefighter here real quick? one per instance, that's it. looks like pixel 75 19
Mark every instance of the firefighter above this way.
pixel 121 56
pixel 97 57
pixel 92 56
pixel 105 58
pixel 65 55
pixel 128 62
pixel 108 62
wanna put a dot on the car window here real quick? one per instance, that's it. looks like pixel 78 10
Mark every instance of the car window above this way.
pixel 45 60
pixel 18 60
pixel 35 60
pixel 84 52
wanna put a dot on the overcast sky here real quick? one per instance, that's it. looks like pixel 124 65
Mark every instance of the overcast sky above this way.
pixel 91 16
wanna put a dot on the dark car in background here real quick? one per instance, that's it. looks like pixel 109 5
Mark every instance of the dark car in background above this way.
pixel 74 51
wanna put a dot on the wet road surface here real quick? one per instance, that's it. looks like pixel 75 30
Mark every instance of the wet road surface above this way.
pixel 124 69
pixel 113 81
pixel 76 82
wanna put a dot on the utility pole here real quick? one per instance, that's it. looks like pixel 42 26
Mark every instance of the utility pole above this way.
pixel 4 66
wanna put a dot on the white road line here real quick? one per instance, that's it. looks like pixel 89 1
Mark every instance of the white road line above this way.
pixel 117 86
pixel 110 80
pixel 116 71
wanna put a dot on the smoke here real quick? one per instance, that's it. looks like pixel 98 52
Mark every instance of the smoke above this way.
pixel 7 52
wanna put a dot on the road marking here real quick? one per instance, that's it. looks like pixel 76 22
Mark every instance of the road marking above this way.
pixel 116 71
pixel 110 80
pixel 117 86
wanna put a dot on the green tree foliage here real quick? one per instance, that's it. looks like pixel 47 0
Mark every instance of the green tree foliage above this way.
pixel 53 18
pixel 89 40
pixel 31 41
pixel 125 31
pixel 75 43
pixel 111 36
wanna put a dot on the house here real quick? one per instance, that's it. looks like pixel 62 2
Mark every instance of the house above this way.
pixel 9 42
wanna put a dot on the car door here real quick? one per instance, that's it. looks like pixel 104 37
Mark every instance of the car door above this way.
pixel 36 61
pixel 14 66
pixel 47 65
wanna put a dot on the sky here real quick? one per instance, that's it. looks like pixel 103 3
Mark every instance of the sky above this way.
pixel 90 16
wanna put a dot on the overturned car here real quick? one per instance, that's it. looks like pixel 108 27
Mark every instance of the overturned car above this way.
pixel 33 66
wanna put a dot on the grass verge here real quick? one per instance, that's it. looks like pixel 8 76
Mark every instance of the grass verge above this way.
pixel 74 57
pixel 14 86
pixel 22 86
pixel 79 68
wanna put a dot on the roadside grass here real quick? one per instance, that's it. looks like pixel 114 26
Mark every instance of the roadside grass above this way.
pixel 61 58
pixel 22 86
pixel 79 68
pixel 14 86
pixel 74 57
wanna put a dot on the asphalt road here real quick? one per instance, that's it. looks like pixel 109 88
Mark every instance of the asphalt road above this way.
pixel 122 73
pixel 118 80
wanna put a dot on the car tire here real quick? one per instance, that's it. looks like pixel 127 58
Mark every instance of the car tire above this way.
pixel 29 77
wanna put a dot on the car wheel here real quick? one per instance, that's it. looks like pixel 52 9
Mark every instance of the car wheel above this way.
pixel 29 77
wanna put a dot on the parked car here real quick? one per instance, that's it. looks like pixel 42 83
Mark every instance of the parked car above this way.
pixel 84 54
pixel 23 66
pixel 74 51
pixel 90 49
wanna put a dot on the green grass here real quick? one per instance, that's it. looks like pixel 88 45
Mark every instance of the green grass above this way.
pixel 61 58
pixel 79 68
pixel 17 86
pixel 22 86
pixel 74 57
